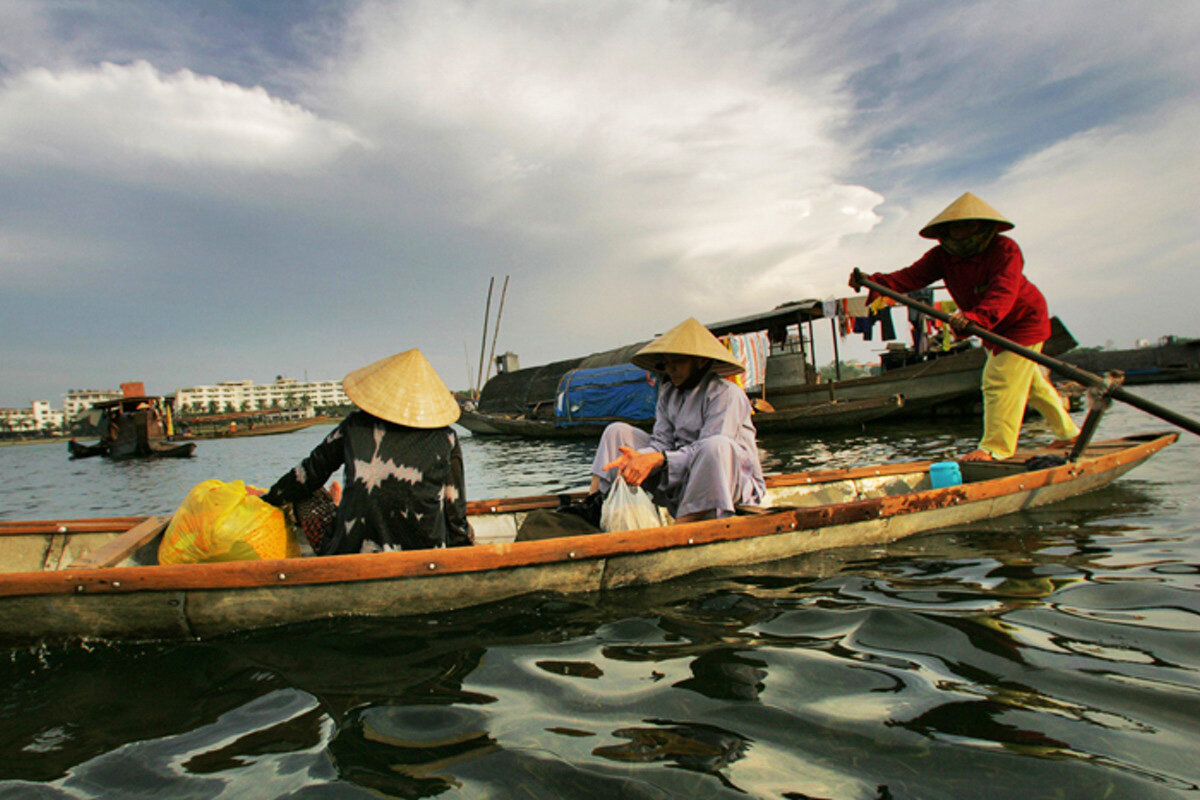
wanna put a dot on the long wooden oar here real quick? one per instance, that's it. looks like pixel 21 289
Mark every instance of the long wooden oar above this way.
pixel 1061 367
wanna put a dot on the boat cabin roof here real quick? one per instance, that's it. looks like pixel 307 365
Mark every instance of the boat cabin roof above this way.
pixel 126 402
pixel 790 313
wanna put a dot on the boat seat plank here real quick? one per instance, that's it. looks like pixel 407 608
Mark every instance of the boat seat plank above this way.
pixel 120 548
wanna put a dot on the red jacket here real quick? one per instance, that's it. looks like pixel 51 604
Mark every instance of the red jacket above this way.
pixel 990 289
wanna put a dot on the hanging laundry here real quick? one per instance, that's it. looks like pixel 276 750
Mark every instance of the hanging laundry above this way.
pixel 917 321
pixel 865 325
pixel 752 350
pixel 855 306
pixel 948 337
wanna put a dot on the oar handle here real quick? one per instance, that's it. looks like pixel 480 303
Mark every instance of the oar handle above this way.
pixel 858 279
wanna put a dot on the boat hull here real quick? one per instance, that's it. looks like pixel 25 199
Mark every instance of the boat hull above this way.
pixel 949 384
pixel 821 415
pixel 264 429
pixel 814 512
pixel 497 425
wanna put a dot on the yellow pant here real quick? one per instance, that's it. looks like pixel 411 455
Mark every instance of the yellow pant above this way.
pixel 1009 382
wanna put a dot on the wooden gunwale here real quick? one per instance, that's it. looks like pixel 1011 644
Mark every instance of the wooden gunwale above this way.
pixel 488 557
pixel 90 525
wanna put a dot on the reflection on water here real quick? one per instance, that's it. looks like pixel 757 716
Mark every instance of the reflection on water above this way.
pixel 1049 654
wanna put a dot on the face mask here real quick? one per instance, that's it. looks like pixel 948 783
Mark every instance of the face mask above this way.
pixel 971 245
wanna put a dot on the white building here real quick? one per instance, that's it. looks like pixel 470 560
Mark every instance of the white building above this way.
pixel 78 401
pixel 38 417
pixel 287 393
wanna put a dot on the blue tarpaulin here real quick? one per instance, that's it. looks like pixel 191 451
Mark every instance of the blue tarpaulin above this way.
pixel 599 394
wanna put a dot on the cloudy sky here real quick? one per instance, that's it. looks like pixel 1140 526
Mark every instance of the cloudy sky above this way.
pixel 193 192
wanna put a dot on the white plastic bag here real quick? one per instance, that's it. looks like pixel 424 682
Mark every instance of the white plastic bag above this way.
pixel 628 508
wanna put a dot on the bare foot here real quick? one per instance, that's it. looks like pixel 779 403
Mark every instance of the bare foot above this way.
pixel 1061 444
pixel 977 455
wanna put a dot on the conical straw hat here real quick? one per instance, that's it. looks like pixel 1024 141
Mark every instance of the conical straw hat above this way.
pixel 966 207
pixel 688 338
pixel 403 389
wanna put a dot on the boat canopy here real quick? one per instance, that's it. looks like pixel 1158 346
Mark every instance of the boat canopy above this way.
pixel 622 391
pixel 784 314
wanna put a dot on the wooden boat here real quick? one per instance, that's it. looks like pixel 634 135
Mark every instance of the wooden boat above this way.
pixel 99 577
pixel 243 429
pixel 506 425
pixel 948 384
pixel 133 426
pixel 809 417
pixel 1173 359
pixel 78 449
pixel 829 414
pixel 934 383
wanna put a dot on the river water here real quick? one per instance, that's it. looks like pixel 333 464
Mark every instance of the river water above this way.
pixel 1050 654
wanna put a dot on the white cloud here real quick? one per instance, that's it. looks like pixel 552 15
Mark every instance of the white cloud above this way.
pixel 1110 216
pixel 113 117
pixel 663 130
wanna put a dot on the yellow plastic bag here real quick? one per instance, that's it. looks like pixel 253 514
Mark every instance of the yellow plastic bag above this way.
pixel 221 521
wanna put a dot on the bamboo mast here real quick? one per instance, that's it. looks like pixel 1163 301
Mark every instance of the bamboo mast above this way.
pixel 496 330
pixel 487 312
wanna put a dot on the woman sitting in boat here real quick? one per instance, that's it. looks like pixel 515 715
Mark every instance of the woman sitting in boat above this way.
pixel 403 470
pixel 701 461
pixel 984 274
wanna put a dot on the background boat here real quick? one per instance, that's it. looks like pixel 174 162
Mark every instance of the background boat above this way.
pixel 224 426
pixel 1172 359
pixel 778 347
pixel 824 415
pixel 132 426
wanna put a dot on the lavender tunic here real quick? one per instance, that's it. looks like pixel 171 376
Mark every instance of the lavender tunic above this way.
pixel 708 440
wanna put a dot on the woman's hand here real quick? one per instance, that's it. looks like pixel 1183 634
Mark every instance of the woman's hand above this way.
pixel 959 321
pixel 635 467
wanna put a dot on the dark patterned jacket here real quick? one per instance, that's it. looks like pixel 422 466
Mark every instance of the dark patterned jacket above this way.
pixel 403 487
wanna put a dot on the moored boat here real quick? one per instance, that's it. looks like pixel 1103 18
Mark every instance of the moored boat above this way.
pixel 99 578
pixel 808 417
pixel 1172 359
pixel 934 377
pixel 243 425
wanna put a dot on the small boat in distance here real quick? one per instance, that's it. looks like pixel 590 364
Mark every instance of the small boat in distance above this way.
pixel 67 579
pixel 241 424
pixel 133 426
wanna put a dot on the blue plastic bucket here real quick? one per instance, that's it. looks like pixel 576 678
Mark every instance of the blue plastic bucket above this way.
pixel 945 473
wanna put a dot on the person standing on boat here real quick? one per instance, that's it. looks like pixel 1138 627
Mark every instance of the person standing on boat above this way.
pixel 403 471
pixel 701 460
pixel 983 272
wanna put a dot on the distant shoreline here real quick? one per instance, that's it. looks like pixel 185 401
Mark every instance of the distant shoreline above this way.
pixel 46 440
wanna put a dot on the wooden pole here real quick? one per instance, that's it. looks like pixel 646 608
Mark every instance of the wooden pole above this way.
pixel 496 329
pixel 1060 367
pixel 837 359
pixel 487 312
pixel 467 367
